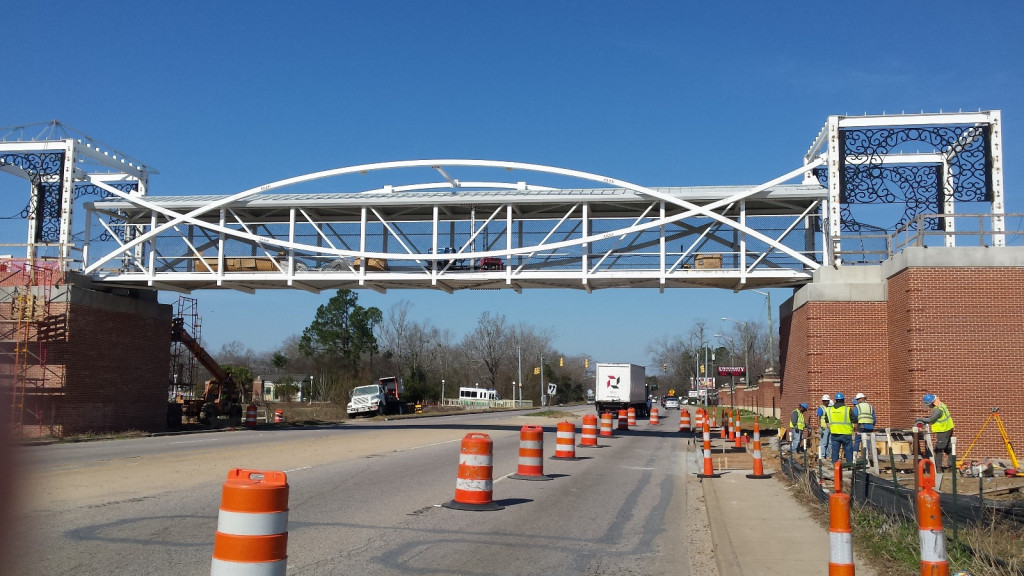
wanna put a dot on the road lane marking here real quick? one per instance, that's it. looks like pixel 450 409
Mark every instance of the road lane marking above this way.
pixel 428 445
pixel 297 469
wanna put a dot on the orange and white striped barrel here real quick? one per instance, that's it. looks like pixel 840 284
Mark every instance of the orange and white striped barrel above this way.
pixel 588 435
pixel 684 420
pixel 699 419
pixel 631 417
pixel 737 431
pixel 475 484
pixel 250 415
pixel 929 523
pixel 565 441
pixel 731 421
pixel 252 525
pixel 709 468
pixel 278 415
pixel 607 430
pixel 758 462
pixel 840 535
pixel 623 420
pixel 653 420
pixel 531 454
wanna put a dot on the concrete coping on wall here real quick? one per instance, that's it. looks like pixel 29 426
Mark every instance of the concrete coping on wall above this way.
pixel 867 283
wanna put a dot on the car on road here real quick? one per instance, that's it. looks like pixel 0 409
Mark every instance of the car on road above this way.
pixel 671 402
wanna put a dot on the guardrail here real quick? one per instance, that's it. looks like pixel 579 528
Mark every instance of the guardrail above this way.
pixel 969 230
pixel 471 403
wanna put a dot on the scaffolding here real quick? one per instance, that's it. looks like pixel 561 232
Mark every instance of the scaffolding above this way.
pixel 31 325
pixel 184 370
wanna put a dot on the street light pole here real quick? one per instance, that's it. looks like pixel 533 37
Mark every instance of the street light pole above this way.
pixel 746 346
pixel 771 331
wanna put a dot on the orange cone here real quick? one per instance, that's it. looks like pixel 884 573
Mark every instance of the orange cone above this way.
pixel 631 417
pixel 929 523
pixel 252 526
pixel 732 426
pixel 709 468
pixel 565 441
pixel 607 430
pixel 653 421
pixel 840 535
pixel 758 463
pixel 684 420
pixel 474 486
pixel 588 437
pixel 531 454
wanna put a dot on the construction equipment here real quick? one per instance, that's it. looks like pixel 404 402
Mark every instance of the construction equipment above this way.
pixel 1002 431
pixel 221 395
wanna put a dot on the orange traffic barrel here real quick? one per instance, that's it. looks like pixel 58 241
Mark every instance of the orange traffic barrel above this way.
pixel 929 523
pixel 840 535
pixel 653 420
pixel 252 525
pixel 699 419
pixel 531 454
pixel 588 436
pixel 565 441
pixel 250 415
pixel 607 429
pixel 731 423
pixel 737 431
pixel 278 415
pixel 623 420
pixel 709 468
pixel 684 420
pixel 475 485
pixel 758 463
pixel 631 417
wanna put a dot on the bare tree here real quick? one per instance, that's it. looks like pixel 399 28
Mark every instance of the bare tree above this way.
pixel 487 348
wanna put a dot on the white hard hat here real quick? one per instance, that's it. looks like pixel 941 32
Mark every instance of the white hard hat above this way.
pixel 859 396
pixel 831 403
pixel 825 397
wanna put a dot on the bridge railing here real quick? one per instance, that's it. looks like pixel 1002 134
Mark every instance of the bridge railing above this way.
pixel 968 230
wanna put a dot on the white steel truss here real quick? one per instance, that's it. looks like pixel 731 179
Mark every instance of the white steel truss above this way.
pixel 460 234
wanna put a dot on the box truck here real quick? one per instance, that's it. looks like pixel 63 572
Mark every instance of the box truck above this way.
pixel 621 386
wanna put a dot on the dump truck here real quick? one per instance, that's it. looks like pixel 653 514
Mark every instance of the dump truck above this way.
pixel 384 397
pixel 621 387
pixel 222 397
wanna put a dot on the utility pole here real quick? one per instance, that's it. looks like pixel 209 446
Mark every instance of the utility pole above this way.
pixel 771 332
pixel 519 352
pixel 543 397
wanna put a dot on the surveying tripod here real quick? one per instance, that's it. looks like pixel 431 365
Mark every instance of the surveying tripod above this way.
pixel 1002 431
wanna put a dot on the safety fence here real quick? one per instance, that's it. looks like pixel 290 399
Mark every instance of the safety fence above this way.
pixel 898 501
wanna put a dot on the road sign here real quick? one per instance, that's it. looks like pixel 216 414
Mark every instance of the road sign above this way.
pixel 552 388
pixel 731 371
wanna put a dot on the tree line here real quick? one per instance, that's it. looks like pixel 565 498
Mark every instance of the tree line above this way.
pixel 348 345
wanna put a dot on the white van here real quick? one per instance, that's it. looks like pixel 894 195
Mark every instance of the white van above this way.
pixel 478 396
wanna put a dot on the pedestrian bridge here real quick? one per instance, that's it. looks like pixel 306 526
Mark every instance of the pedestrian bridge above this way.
pixel 857 195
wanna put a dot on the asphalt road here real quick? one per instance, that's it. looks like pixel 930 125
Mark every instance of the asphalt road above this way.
pixel 365 498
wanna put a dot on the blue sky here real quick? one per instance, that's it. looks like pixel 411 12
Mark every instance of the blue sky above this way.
pixel 220 97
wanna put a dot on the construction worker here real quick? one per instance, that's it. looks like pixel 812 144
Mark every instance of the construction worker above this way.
pixel 797 423
pixel 840 426
pixel 824 440
pixel 864 417
pixel 942 426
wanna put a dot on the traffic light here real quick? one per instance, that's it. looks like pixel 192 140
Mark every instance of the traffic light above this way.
pixel 664 367
pixel 561 362
pixel 586 362
pixel 536 370
pixel 701 368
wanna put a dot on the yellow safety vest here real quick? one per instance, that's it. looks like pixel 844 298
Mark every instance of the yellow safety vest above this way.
pixel 839 420
pixel 945 422
pixel 800 425
pixel 865 413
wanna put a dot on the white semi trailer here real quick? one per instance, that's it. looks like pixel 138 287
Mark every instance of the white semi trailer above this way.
pixel 621 386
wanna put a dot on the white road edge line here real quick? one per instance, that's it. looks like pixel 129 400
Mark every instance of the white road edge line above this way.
pixel 428 445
